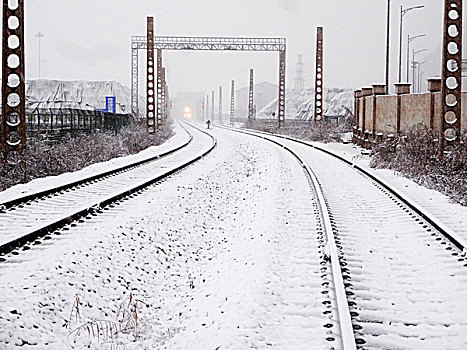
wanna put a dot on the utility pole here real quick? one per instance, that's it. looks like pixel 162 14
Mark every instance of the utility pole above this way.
pixel 409 40
pixel 403 13
pixel 39 36
pixel 388 21
pixel 414 66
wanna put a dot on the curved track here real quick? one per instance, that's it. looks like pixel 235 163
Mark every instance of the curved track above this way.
pixel 34 216
pixel 405 273
pixel 342 312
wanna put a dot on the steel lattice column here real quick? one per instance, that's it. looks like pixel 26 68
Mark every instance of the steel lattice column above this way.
pixel 150 103
pixel 251 94
pixel 212 107
pixel 13 83
pixel 232 103
pixel 220 104
pixel 319 75
pixel 450 130
pixel 160 88
pixel 281 97
pixel 134 81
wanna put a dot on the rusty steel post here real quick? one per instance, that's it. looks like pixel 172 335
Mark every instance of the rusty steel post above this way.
pixel 281 97
pixel 13 83
pixel 151 124
pixel 450 127
pixel 134 81
pixel 251 97
pixel 220 104
pixel 160 88
pixel 319 75
pixel 232 103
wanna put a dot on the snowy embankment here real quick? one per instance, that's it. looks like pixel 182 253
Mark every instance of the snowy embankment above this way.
pixel 37 185
pixel 438 205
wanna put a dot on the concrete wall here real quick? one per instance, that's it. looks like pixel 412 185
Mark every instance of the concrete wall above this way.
pixel 386 114
pixel 415 109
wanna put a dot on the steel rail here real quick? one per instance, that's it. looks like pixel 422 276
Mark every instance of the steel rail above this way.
pixel 343 310
pixel 34 196
pixel 96 208
pixel 448 233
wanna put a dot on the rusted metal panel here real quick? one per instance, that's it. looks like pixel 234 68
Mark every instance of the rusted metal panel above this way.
pixel 13 83
pixel 319 75
pixel 450 130
pixel 150 101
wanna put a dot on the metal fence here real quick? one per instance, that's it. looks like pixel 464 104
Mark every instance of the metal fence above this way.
pixel 57 124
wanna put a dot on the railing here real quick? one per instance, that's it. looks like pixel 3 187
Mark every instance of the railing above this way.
pixel 56 124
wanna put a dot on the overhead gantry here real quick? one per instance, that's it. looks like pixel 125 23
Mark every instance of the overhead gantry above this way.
pixel 160 43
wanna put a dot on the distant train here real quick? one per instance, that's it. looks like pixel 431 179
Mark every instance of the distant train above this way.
pixel 187 113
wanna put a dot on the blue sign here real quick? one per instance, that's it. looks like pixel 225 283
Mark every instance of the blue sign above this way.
pixel 111 104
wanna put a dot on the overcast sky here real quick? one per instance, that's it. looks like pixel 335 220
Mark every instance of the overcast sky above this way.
pixel 90 39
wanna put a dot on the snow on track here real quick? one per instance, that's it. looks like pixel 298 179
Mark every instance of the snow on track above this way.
pixel 19 221
pixel 224 254
pixel 408 283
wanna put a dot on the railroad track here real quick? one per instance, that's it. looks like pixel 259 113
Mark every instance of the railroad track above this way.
pixel 25 219
pixel 341 311
pixel 385 251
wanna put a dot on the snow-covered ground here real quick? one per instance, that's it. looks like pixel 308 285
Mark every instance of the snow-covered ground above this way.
pixel 438 205
pixel 223 255
pixel 227 254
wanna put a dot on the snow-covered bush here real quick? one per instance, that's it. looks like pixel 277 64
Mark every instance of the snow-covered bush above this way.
pixel 44 159
pixel 415 155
